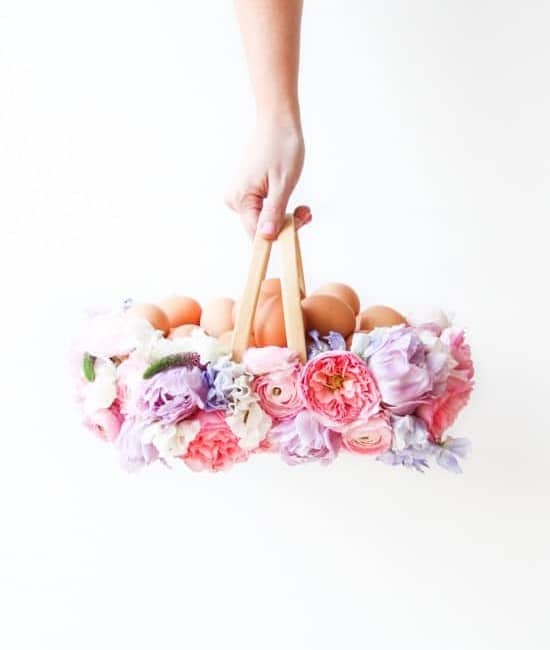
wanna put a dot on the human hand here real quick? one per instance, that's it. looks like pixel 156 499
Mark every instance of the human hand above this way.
pixel 271 168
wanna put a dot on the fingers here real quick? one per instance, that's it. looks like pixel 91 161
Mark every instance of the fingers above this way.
pixel 302 216
pixel 248 208
pixel 273 212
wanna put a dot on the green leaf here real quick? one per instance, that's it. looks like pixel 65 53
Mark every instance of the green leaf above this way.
pixel 187 359
pixel 88 363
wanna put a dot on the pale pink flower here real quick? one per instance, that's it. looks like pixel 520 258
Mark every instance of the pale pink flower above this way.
pixel 440 413
pixel 279 392
pixel 105 423
pixel 371 436
pixel 338 388
pixel 259 361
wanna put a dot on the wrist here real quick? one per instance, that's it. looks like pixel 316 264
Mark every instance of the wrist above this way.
pixel 283 116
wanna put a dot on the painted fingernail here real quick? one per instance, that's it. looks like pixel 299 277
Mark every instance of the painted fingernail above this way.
pixel 267 229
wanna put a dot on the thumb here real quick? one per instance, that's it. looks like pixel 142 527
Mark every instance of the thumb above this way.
pixel 273 213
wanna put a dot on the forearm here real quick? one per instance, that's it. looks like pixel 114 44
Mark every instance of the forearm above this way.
pixel 271 36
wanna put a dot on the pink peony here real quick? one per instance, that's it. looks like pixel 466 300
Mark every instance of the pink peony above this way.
pixel 338 388
pixel 215 447
pixel 260 361
pixel 440 413
pixel 371 436
pixel 279 392
pixel 106 423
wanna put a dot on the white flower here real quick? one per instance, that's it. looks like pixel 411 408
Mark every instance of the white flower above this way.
pixel 436 316
pixel 172 441
pixel 408 431
pixel 207 347
pixel 100 393
pixel 250 424
pixel 115 334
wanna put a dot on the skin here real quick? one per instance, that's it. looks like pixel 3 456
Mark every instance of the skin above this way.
pixel 275 156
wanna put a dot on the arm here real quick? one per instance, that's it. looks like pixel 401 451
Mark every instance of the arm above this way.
pixel 273 163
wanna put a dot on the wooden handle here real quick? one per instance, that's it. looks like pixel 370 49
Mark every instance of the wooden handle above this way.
pixel 292 289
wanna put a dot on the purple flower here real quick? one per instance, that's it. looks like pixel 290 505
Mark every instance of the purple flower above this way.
pixel 135 452
pixel 446 454
pixel 407 372
pixel 304 439
pixel 410 446
pixel 319 344
pixel 173 395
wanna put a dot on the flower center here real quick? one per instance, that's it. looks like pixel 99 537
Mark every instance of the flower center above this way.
pixel 335 382
pixel 276 391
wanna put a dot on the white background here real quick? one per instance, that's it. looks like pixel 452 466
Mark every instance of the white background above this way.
pixel 427 170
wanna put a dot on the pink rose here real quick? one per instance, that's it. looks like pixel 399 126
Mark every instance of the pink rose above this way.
pixel 106 423
pixel 372 436
pixel 279 392
pixel 215 447
pixel 260 361
pixel 440 413
pixel 338 388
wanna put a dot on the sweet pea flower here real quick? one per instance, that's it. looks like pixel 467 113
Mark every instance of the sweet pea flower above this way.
pixel 250 424
pixel 215 447
pixel 338 388
pixel 371 436
pixel 259 361
pixel 318 344
pixel 411 446
pixel 305 439
pixel 225 383
pixel 173 395
pixel 135 446
pixel 279 392
pixel 407 374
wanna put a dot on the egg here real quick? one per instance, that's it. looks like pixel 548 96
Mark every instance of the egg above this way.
pixel 269 323
pixel 182 330
pixel 151 313
pixel 380 316
pixel 227 337
pixel 344 292
pixel 181 310
pixel 270 287
pixel 217 316
pixel 327 313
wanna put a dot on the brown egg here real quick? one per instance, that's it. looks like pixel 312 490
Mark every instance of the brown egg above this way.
pixel 344 292
pixel 227 337
pixel 326 313
pixel 151 313
pixel 182 330
pixel 269 323
pixel 217 316
pixel 380 316
pixel 181 310
pixel 270 287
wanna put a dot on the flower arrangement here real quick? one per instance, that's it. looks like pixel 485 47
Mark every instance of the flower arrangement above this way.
pixel 182 400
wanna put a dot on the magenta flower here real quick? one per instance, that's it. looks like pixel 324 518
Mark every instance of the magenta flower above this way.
pixel 173 395
pixel 305 439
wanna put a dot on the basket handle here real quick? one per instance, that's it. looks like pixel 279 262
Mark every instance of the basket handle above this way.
pixel 292 286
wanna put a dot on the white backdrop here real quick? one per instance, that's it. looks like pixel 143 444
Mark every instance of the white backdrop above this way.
pixel 427 170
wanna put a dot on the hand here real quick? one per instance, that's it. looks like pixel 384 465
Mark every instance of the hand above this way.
pixel 271 168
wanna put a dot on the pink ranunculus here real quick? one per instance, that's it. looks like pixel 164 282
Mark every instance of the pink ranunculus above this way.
pixel 371 436
pixel 441 412
pixel 279 392
pixel 338 388
pixel 260 361
pixel 460 351
pixel 106 423
pixel 215 447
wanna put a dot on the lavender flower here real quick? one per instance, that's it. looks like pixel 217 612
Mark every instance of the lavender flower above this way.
pixel 173 395
pixel 135 452
pixel 304 439
pixel 410 446
pixel 319 344
pixel 446 454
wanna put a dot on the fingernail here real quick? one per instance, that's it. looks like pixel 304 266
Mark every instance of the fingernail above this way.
pixel 267 229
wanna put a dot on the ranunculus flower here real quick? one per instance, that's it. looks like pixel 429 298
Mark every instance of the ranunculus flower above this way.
pixel 173 395
pixel 215 447
pixel 279 392
pixel 371 436
pixel 305 439
pixel 106 423
pixel 338 388
pixel 441 412
pixel 407 372
pixel 259 361
pixel 133 442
